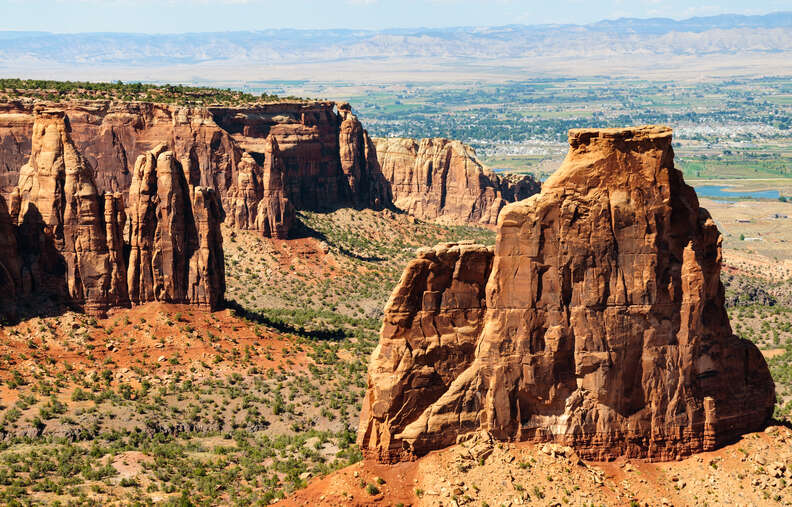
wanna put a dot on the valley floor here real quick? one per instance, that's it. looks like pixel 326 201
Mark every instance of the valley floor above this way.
pixel 246 406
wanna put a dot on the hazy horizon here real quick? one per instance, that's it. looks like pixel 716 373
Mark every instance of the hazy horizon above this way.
pixel 493 46
pixel 200 16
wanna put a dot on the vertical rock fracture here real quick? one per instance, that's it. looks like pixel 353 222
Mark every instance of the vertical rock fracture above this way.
pixel 63 241
pixel 601 326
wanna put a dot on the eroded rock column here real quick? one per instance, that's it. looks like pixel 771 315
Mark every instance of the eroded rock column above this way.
pixel 605 327
pixel 174 253
pixel 62 229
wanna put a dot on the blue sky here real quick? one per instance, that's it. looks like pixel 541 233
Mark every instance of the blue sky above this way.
pixel 161 16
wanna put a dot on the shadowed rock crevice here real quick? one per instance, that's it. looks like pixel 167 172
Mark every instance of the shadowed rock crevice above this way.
pixel 603 327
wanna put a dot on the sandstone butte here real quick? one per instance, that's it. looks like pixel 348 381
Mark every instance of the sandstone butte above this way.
pixel 269 160
pixel 442 179
pixel 63 240
pixel 597 321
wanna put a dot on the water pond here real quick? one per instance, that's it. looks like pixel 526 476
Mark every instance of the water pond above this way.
pixel 724 192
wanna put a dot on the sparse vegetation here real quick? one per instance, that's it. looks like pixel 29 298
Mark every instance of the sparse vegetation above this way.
pixel 212 407
pixel 57 91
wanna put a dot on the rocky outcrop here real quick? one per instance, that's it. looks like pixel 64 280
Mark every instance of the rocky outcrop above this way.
pixel 602 327
pixel 430 331
pixel 62 222
pixel 62 241
pixel 365 181
pixel 173 257
pixel 111 135
pixel 442 179
pixel 10 265
pixel 16 134
pixel 206 280
pixel 257 201
pixel 115 221
pixel 326 159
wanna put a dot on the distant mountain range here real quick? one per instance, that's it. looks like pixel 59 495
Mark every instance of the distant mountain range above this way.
pixel 725 34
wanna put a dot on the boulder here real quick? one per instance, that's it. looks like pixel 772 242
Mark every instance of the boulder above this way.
pixel 603 326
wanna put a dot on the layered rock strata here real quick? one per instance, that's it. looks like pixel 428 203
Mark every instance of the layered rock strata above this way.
pixel 323 159
pixel 602 324
pixel 326 158
pixel 443 179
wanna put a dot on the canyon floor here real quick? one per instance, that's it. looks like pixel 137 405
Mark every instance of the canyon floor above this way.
pixel 260 402
pixel 241 406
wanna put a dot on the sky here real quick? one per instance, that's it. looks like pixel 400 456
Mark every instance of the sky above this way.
pixel 177 16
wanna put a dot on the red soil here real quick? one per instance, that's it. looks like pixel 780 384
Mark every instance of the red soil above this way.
pixel 150 336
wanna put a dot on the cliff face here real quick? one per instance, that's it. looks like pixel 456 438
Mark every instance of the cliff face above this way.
pixel 206 279
pixel 115 220
pixel 10 265
pixel 431 327
pixel 60 209
pixel 359 163
pixel 272 159
pixel 604 327
pixel 62 240
pixel 439 178
pixel 257 200
pixel 111 136
pixel 174 254
pixel 323 153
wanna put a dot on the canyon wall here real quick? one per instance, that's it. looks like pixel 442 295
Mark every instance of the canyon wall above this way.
pixel 324 158
pixel 598 322
pixel 63 240
pixel 10 265
pixel 442 179
pixel 269 160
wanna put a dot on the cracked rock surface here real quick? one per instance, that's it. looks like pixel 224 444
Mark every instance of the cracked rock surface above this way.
pixel 598 322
